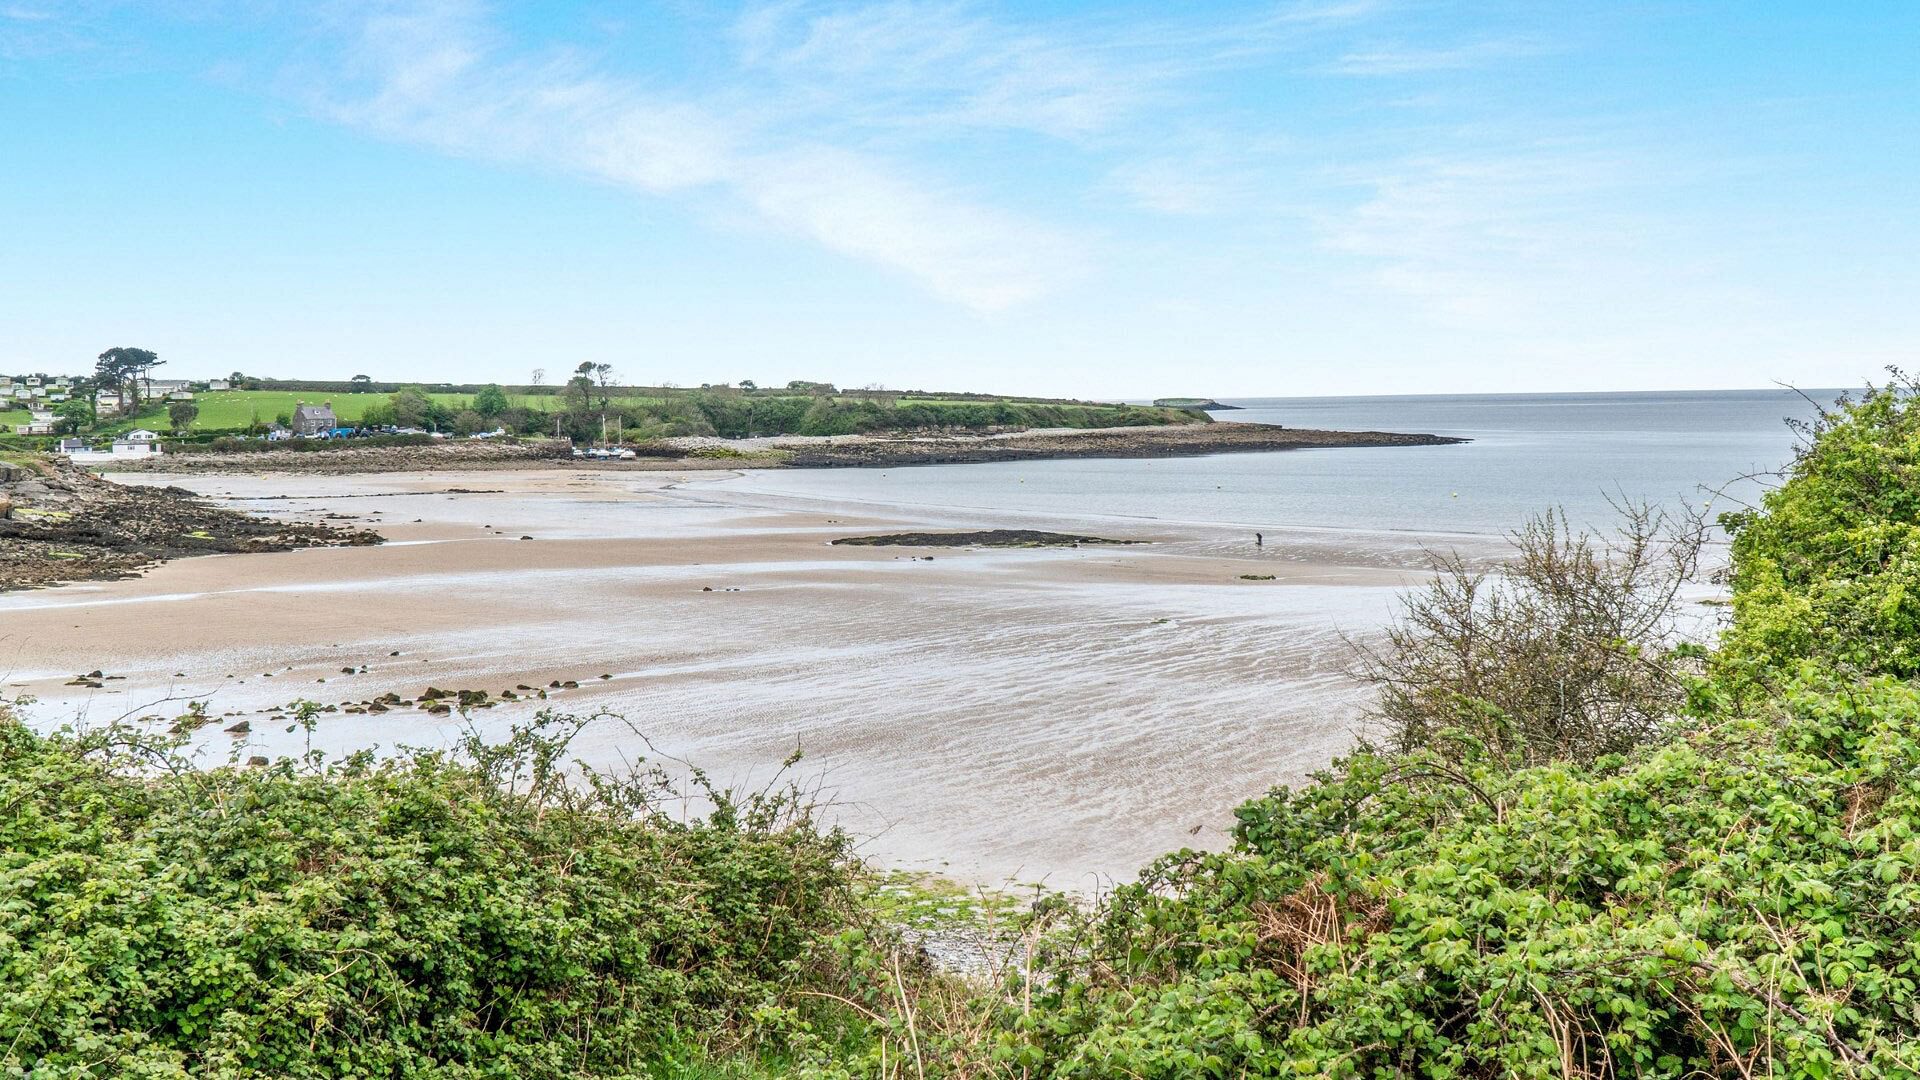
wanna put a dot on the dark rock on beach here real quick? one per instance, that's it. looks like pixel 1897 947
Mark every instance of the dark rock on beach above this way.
pixel 983 538
pixel 63 524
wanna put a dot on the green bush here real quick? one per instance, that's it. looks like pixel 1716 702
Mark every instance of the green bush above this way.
pixel 1747 895
pixel 430 914
pixel 1828 570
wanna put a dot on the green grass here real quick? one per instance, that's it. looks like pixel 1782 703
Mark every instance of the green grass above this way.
pixel 229 409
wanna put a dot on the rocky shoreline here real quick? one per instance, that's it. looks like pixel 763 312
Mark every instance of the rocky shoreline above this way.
pixel 59 524
pixel 1146 442
pixel 452 454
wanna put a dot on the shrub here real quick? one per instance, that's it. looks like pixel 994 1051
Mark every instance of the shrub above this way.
pixel 429 914
pixel 1568 652
pixel 1828 570
pixel 1739 902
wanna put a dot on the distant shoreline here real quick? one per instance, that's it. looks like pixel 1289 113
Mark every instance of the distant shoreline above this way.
pixel 802 452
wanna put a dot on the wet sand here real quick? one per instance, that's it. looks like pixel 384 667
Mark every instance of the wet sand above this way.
pixel 1029 714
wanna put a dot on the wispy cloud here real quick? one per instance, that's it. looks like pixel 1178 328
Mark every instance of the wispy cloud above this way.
pixel 919 63
pixel 1406 60
pixel 1508 236
pixel 435 73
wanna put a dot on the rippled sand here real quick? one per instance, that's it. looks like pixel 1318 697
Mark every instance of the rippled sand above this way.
pixel 1059 715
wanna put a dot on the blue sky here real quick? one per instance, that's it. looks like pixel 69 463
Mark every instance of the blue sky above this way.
pixel 1307 197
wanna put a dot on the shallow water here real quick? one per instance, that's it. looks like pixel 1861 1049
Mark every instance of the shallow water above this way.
pixel 1529 452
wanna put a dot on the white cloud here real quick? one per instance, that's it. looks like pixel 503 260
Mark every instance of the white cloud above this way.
pixel 905 62
pixel 981 258
pixel 1402 60
pixel 1519 237
pixel 431 74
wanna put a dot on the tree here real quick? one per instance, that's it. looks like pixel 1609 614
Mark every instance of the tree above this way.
pixel 183 414
pixel 75 416
pixel 125 368
pixel 361 383
pixel 411 407
pixel 539 377
pixel 491 401
pixel 748 385
pixel 578 393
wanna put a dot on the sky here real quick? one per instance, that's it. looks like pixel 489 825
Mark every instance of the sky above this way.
pixel 1077 199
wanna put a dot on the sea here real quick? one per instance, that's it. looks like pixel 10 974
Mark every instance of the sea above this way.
pixel 1528 453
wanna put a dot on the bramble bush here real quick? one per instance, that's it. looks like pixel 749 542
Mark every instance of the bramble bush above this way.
pixel 428 915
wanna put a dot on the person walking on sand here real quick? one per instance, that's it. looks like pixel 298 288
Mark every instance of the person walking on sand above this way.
pixel 1259 541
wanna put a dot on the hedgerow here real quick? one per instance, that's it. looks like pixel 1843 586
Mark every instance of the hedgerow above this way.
pixel 426 915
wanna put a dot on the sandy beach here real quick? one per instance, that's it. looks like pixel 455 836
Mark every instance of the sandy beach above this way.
pixel 1056 715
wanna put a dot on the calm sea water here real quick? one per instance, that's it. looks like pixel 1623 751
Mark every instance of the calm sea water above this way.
pixel 1529 452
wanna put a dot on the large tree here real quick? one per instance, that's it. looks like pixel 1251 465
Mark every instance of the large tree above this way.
pixel 75 416
pixel 183 414
pixel 491 401
pixel 124 368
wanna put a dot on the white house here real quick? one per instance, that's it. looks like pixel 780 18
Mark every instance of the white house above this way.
pixel 218 384
pixel 139 435
pixel 128 448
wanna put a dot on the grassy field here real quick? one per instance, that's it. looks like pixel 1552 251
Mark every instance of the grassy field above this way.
pixel 231 409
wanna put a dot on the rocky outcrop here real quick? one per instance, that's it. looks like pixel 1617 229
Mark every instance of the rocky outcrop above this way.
pixel 1184 441
pixel 63 524
pixel 348 458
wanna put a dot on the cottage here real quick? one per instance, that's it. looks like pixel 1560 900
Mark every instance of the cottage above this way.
pixel 141 435
pixel 313 419
pixel 73 446
pixel 128 446
pixel 215 385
